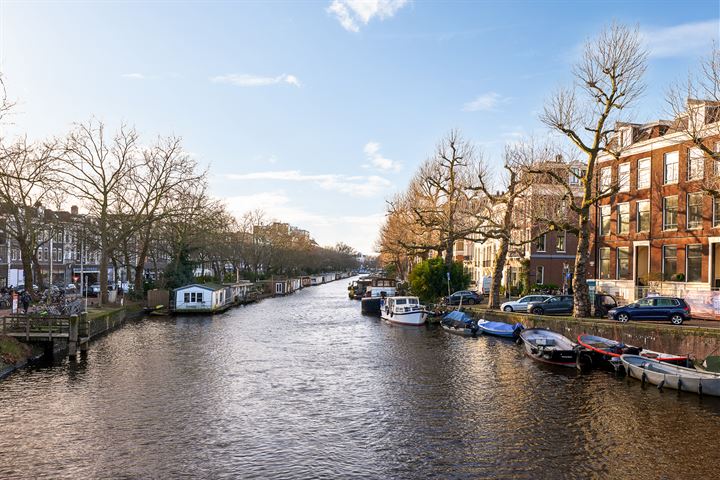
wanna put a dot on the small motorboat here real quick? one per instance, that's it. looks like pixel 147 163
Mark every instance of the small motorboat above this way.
pixel 500 329
pixel 602 349
pixel 549 347
pixel 681 360
pixel 460 323
pixel 665 375
pixel 403 310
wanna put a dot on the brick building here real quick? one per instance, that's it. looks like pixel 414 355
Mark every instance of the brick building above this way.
pixel 661 229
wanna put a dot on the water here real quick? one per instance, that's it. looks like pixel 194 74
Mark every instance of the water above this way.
pixel 306 387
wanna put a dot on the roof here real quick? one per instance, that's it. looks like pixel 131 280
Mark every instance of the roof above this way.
pixel 205 286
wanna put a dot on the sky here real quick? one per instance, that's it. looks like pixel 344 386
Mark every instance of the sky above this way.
pixel 317 112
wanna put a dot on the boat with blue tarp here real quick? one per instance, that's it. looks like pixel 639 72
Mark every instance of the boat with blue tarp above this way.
pixel 460 323
pixel 500 329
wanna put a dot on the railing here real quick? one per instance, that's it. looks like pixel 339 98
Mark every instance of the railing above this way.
pixel 45 326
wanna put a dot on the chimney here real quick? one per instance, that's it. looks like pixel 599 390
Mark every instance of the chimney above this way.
pixel 74 210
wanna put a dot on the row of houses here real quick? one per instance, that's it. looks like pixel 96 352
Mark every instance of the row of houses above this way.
pixel 658 231
pixel 214 298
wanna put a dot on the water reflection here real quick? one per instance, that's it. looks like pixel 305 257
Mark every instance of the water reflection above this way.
pixel 307 387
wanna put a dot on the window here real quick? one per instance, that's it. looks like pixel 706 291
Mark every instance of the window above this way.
pixel 643 215
pixel 575 174
pixel 669 262
pixel 561 236
pixel 623 262
pixel 604 262
pixel 605 220
pixel 694 263
pixel 716 212
pixel 540 245
pixel 540 275
pixel 670 210
pixel 624 177
pixel 643 172
pixel 670 167
pixel 193 297
pixel 694 210
pixel 623 218
pixel 605 178
pixel 695 164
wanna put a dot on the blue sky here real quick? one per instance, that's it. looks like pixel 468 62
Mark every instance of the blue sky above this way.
pixel 317 112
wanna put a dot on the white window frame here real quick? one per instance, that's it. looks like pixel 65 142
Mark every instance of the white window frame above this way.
pixel 664 248
pixel 687 211
pixel 600 261
pixel 694 154
pixel 605 178
pixel 637 215
pixel 574 176
pixel 669 180
pixel 677 209
pixel 544 243
pixel 624 177
pixel 617 260
pixel 626 206
pixel 716 213
pixel 687 261
pixel 564 242
pixel 643 173
pixel 608 209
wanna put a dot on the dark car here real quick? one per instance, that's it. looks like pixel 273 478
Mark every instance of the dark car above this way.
pixel 603 304
pixel 468 298
pixel 674 309
pixel 556 304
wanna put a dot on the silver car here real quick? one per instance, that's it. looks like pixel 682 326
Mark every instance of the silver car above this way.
pixel 520 305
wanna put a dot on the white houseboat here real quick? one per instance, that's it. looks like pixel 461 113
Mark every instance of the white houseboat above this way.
pixel 403 310
pixel 202 298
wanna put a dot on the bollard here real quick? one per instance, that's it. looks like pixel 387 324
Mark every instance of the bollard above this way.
pixel 73 336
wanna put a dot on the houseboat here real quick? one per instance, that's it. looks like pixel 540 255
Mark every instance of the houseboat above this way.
pixel 403 311
pixel 202 298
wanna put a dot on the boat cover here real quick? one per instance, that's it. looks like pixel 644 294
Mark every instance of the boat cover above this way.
pixel 500 328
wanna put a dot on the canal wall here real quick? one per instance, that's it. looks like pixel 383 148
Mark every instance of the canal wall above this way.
pixel 699 342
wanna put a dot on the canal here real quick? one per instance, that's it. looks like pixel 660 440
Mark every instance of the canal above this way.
pixel 306 387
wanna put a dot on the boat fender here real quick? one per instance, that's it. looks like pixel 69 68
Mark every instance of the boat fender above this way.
pixel 680 385
pixel 643 378
pixel 700 386
pixel 661 384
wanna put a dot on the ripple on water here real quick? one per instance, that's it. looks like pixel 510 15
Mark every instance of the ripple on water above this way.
pixel 306 387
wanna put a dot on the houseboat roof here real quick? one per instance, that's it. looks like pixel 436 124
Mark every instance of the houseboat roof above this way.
pixel 206 286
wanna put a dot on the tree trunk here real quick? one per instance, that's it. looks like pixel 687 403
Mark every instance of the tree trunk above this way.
pixel 500 259
pixel 26 257
pixel 449 250
pixel 581 293
pixel 102 273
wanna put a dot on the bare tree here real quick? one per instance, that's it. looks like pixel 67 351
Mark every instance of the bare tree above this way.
pixel 608 80
pixel 96 170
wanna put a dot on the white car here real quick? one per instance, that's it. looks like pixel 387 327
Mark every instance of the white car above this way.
pixel 520 305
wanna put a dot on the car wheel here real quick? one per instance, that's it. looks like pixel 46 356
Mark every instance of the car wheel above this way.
pixel 537 311
pixel 677 319
pixel 508 309
pixel 623 318
pixel 471 301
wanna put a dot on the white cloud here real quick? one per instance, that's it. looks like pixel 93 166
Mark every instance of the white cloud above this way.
pixel 134 76
pixel 372 151
pixel 353 13
pixel 246 80
pixel 484 102
pixel 686 39
pixel 355 185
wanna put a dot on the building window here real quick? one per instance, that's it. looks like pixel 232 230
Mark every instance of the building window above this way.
pixel 605 220
pixel 670 167
pixel 540 245
pixel 670 210
pixel 561 237
pixel 604 262
pixel 193 297
pixel 695 164
pixel 669 262
pixel 605 179
pixel 694 263
pixel 540 275
pixel 575 174
pixel 643 216
pixel 716 212
pixel 624 177
pixel 694 210
pixel 643 172
pixel 623 218
pixel 623 262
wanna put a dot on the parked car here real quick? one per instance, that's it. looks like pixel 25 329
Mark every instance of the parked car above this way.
pixel 468 298
pixel 93 290
pixel 674 309
pixel 521 304
pixel 603 304
pixel 556 304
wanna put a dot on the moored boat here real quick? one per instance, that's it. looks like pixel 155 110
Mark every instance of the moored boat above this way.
pixel 500 329
pixel 602 349
pixel 665 375
pixel 460 323
pixel 403 310
pixel 549 347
